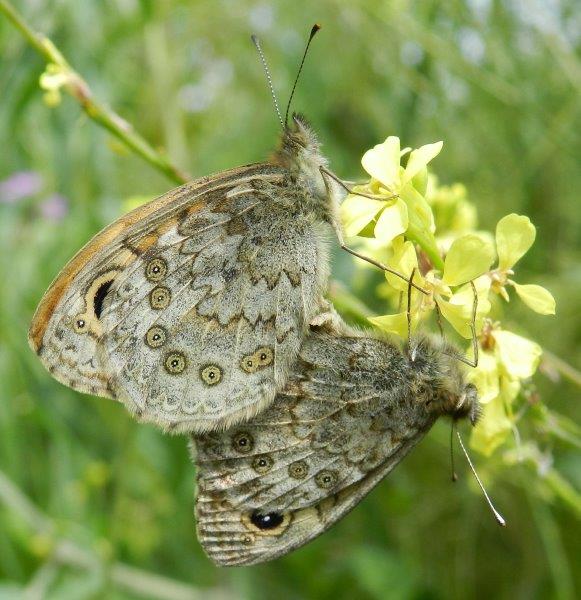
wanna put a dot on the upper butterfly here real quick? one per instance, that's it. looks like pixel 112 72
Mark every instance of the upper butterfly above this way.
pixel 191 309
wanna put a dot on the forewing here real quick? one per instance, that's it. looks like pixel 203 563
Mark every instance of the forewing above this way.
pixel 192 311
pixel 308 459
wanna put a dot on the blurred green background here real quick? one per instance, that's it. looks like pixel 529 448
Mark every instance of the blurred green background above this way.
pixel 498 81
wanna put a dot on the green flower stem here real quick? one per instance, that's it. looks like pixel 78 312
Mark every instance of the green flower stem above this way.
pixel 78 88
pixel 427 243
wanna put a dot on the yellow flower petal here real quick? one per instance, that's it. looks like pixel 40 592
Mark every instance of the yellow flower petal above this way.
pixel 382 162
pixel 468 258
pixel 357 212
pixel 509 390
pixel 515 234
pixel 403 260
pixel 465 296
pixel 492 428
pixel 458 315
pixel 397 323
pixel 485 376
pixel 393 221
pixel 419 159
pixel 536 297
pixel 520 357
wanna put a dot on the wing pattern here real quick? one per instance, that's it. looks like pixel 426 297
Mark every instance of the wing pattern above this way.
pixel 192 312
pixel 345 419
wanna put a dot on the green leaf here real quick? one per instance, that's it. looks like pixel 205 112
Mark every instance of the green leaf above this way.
pixel 536 297
pixel 468 258
pixel 515 234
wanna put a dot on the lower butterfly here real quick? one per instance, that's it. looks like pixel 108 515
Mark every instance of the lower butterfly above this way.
pixel 354 407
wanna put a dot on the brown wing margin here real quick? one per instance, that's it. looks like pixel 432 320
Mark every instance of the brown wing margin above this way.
pixel 170 201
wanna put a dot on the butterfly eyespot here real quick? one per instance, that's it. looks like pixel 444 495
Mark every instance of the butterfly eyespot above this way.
pixel 248 364
pixel 159 298
pixel 211 374
pixel 326 479
pixel 298 469
pixel 155 337
pixel 175 363
pixel 242 442
pixel 266 521
pixel 265 356
pixel 262 464
pixel 156 269
pixel 80 325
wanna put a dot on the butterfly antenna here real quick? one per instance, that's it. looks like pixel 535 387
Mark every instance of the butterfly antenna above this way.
pixel 256 42
pixel 314 30
pixel 499 518
pixel 454 475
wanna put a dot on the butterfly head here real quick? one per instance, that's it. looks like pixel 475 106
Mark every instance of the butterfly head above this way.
pixel 299 152
pixel 443 379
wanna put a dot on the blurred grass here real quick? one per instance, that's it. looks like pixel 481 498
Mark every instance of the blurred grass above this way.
pixel 499 82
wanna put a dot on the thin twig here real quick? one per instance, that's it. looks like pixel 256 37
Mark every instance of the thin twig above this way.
pixel 79 89
pixel 568 371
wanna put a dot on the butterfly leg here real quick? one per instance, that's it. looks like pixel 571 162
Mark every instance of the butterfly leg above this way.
pixel 471 363
pixel 327 319
pixel 328 176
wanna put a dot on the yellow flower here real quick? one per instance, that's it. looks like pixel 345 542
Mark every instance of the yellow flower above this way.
pixel 468 259
pixel 394 193
pixel 52 80
pixel 515 234
pixel 505 360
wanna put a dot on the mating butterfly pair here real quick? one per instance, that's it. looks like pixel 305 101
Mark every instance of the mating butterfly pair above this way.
pixel 195 310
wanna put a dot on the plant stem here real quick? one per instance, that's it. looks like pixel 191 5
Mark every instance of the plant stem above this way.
pixel 78 88
pixel 71 554
pixel 568 371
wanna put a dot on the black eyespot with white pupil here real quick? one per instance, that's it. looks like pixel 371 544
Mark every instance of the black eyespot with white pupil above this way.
pixel 266 521
pixel 242 442
pixel 156 269
pixel 155 337
pixel 326 479
pixel 211 374
pixel 175 363
pixel 262 464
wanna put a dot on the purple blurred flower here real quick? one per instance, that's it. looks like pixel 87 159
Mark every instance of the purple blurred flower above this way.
pixel 54 207
pixel 19 185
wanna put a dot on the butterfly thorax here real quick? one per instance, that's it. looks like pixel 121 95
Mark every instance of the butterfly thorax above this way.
pixel 299 152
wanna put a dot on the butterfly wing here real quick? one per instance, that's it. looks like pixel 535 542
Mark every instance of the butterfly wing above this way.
pixel 342 423
pixel 190 309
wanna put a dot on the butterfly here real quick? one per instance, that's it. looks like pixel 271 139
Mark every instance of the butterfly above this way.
pixel 352 409
pixel 191 309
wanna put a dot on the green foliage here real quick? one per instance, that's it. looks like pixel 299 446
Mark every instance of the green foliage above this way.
pixel 499 83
